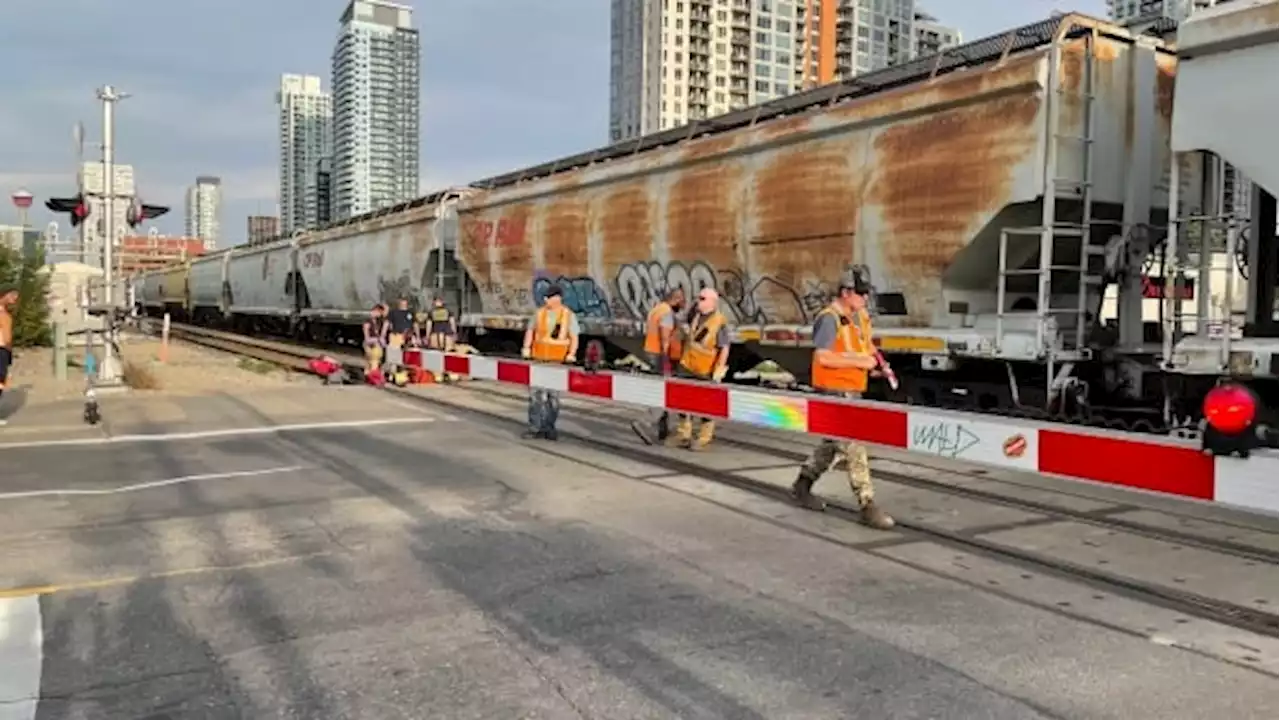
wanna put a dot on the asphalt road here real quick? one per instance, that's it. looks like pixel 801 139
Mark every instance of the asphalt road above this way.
pixel 430 567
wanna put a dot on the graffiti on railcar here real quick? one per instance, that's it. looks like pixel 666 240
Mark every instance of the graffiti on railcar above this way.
pixel 580 294
pixel 507 300
pixel 506 231
pixel 392 290
pixel 641 285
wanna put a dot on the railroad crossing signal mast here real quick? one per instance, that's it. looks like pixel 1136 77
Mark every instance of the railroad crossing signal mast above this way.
pixel 109 370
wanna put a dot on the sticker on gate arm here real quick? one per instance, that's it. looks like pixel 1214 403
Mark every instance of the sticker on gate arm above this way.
pixel 963 438
pixel 1015 447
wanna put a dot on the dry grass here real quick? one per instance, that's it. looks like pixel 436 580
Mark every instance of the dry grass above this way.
pixel 261 367
pixel 140 377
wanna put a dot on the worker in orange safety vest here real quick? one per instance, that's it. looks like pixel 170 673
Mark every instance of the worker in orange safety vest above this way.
pixel 552 337
pixel 704 356
pixel 843 359
pixel 662 350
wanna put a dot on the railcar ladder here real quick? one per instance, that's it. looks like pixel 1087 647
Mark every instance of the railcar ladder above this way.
pixel 1061 237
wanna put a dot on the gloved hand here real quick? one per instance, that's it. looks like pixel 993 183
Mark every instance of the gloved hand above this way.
pixel 526 353
pixel 719 373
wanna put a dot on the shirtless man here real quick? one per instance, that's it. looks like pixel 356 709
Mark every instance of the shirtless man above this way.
pixel 8 300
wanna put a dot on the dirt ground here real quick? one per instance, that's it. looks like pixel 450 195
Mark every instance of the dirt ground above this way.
pixel 187 370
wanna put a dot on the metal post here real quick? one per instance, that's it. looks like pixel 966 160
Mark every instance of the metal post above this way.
pixel 60 350
pixel 164 339
pixel 1228 294
pixel 109 369
pixel 1173 268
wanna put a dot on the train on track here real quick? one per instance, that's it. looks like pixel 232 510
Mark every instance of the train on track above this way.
pixel 1008 200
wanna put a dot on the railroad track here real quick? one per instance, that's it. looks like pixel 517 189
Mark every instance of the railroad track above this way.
pixel 1208 608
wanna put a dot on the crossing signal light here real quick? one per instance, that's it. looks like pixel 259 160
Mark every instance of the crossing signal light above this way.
pixel 76 207
pixel 140 213
pixel 594 357
pixel 1231 420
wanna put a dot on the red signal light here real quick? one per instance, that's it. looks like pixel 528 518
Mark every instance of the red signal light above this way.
pixel 1230 409
pixel 594 356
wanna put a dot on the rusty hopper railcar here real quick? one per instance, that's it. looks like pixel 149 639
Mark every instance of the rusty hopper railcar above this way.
pixel 978 190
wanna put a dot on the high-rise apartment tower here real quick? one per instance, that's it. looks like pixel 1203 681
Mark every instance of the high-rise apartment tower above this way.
pixel 674 61
pixel 203 211
pixel 306 136
pixel 376 85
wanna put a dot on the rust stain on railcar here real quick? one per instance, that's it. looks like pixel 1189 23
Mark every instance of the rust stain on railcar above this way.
pixel 1166 72
pixel 626 225
pixel 703 207
pixel 495 246
pixel 710 147
pixel 954 87
pixel 566 228
pixel 937 175
pixel 807 201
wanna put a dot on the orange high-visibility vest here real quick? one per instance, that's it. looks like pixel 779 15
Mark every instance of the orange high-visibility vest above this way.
pixel 551 335
pixel 853 337
pixel 700 349
pixel 653 332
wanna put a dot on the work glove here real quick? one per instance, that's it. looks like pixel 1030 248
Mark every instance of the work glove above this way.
pixel 526 353
pixel 719 373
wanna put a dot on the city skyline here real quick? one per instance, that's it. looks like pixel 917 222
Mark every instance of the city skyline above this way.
pixel 532 98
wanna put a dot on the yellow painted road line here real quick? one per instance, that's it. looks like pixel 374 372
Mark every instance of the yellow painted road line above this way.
pixel 166 575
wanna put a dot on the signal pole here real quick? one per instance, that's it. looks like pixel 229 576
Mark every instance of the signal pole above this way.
pixel 109 371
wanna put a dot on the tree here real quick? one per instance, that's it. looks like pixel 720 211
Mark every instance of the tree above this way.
pixel 31 316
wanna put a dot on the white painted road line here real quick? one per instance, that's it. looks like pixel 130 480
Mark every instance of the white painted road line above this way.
pixel 21 642
pixel 226 432
pixel 151 484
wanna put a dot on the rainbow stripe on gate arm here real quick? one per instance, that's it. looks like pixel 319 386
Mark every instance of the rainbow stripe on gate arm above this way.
pixel 1129 460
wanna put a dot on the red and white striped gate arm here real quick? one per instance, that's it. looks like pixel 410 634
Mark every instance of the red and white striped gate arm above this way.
pixel 1130 460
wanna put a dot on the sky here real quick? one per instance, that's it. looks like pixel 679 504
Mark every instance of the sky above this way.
pixel 505 84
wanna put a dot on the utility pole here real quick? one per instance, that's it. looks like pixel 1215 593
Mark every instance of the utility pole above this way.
pixel 109 370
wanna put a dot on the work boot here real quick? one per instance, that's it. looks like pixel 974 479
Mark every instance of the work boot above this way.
pixel 802 493
pixel 874 517
pixel 706 433
pixel 641 430
pixel 682 436
pixel 530 435
pixel 552 435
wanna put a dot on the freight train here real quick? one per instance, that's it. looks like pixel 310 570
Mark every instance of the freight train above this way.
pixel 1007 199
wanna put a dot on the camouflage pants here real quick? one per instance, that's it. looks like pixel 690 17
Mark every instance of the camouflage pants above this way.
pixel 544 409
pixel 857 464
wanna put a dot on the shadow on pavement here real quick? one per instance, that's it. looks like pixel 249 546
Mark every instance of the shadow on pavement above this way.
pixel 553 585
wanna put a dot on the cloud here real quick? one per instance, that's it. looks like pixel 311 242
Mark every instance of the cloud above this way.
pixel 505 84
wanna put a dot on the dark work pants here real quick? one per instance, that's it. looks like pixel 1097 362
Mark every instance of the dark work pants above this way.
pixel 544 409
pixel 660 419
